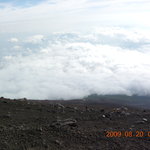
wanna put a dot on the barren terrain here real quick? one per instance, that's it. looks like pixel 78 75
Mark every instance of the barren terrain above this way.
pixel 71 125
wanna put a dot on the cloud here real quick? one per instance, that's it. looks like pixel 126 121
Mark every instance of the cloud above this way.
pixel 17 47
pixel 14 40
pixel 74 65
pixel 8 57
pixel 70 15
pixel 35 39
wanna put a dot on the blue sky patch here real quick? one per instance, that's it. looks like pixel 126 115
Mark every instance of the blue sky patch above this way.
pixel 22 3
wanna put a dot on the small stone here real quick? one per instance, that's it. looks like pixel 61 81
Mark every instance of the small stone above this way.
pixel 103 116
pixel 58 142
pixel 144 119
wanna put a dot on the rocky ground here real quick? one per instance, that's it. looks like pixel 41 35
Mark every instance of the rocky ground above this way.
pixel 72 125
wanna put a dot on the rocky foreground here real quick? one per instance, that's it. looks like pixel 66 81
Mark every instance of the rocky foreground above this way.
pixel 72 125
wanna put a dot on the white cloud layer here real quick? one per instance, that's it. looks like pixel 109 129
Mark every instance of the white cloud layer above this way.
pixel 70 15
pixel 73 65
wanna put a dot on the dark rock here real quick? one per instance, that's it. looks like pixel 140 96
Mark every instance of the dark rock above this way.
pixel 102 110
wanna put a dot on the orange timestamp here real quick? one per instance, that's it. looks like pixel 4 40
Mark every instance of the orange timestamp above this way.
pixel 111 134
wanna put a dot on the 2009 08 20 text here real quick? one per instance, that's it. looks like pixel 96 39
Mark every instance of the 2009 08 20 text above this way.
pixel 111 134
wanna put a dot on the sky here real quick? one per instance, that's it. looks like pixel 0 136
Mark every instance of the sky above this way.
pixel 65 49
pixel 69 15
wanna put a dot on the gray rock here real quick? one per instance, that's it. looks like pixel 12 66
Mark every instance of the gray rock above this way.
pixel 144 119
pixel 140 122
pixel 65 122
